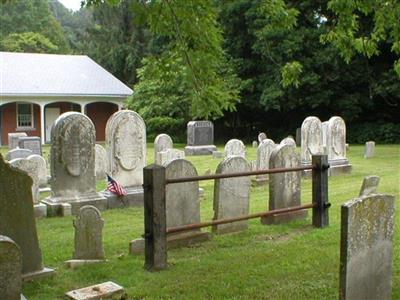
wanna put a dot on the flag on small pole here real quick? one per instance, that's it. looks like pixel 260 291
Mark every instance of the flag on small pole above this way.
pixel 114 187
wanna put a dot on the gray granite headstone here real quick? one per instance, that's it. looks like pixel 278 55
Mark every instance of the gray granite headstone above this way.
pixel 10 269
pixel 369 185
pixel 284 188
pixel 231 195
pixel 311 139
pixel 18 153
pixel 13 139
pixel 168 155
pixel 235 147
pixel 17 220
pixel 288 141
pixel 200 138
pixel 32 169
pixel 89 234
pixel 162 142
pixel 100 162
pixel 264 151
pixel 261 136
pixel 369 149
pixel 366 247
pixel 42 168
pixel 32 143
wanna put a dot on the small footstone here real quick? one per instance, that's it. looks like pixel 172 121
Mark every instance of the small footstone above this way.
pixel 106 290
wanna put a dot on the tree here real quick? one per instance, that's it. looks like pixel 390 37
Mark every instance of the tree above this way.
pixel 28 42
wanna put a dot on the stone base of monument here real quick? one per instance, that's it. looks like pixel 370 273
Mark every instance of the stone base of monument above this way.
pixel 200 150
pixel 217 154
pixel 173 241
pixel 340 166
pixel 54 204
pixel 259 180
pixel 76 263
pixel 40 210
pixel 45 272
pixel 284 218
pixel 134 198
pixel 105 290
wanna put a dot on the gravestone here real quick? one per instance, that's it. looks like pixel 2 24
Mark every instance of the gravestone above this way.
pixel 366 247
pixel 235 147
pixel 369 149
pixel 298 137
pixel 168 155
pixel 370 185
pixel 288 141
pixel 32 143
pixel 336 146
pixel 325 128
pixel 18 153
pixel 10 269
pixel 100 159
pixel 311 139
pixel 162 142
pixel 13 139
pixel 42 168
pixel 102 291
pixel 231 195
pixel 284 188
pixel 200 138
pixel 264 151
pixel 261 136
pixel 126 153
pixel 32 169
pixel 254 144
pixel 73 164
pixel 17 219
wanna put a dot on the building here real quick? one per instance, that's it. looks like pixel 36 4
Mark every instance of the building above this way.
pixel 36 88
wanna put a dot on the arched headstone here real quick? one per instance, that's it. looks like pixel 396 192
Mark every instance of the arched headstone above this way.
pixel 311 139
pixel 11 267
pixel 288 141
pixel 262 136
pixel 235 147
pixel 162 142
pixel 100 162
pixel 264 151
pixel 42 168
pixel 32 169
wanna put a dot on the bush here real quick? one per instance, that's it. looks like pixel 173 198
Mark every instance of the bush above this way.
pixel 383 133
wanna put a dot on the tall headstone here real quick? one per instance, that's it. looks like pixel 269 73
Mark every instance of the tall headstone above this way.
pixel 162 142
pixel 264 151
pixel 18 153
pixel 325 128
pixel 311 139
pixel 42 168
pixel 32 169
pixel 235 147
pixel 13 139
pixel 369 185
pixel 366 247
pixel 200 138
pixel 170 154
pixel 369 149
pixel 288 141
pixel 17 220
pixel 284 188
pixel 298 137
pixel 32 143
pixel 231 195
pixel 72 164
pixel 100 159
pixel 10 266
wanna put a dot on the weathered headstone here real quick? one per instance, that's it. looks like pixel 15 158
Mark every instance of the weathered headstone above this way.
pixel 42 168
pixel 261 136
pixel 10 269
pixel 73 164
pixel 369 149
pixel 102 291
pixel 311 139
pixel 288 141
pixel 100 159
pixel 162 142
pixel 369 185
pixel 366 247
pixel 284 188
pixel 264 151
pixel 235 147
pixel 200 138
pixel 32 143
pixel 17 219
pixel 18 153
pixel 254 144
pixel 218 154
pixel 325 128
pixel 298 137
pixel 13 139
pixel 168 155
pixel 32 169
pixel 231 195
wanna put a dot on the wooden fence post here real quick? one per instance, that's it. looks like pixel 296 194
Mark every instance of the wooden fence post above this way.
pixel 320 217
pixel 155 223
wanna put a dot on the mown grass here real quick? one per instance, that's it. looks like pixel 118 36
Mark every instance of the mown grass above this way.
pixel 291 261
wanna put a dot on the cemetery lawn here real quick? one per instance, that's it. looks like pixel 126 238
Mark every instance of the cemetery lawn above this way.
pixel 292 261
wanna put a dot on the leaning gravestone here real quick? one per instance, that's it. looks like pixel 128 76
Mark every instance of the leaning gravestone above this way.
pixel 32 143
pixel 18 153
pixel 231 195
pixel 369 149
pixel 42 168
pixel 100 159
pixel 264 151
pixel 288 141
pixel 10 266
pixel 235 147
pixel 369 185
pixel 72 164
pixel 162 142
pixel 168 155
pixel 126 153
pixel 17 219
pixel 311 139
pixel 284 188
pixel 13 139
pixel 366 247
pixel 261 136
pixel 32 169
pixel 200 138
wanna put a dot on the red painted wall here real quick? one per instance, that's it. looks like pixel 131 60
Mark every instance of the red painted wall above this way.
pixel 99 113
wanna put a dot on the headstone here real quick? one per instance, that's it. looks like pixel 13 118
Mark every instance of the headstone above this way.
pixel 369 185
pixel 73 164
pixel 231 195
pixel 288 141
pixel 10 266
pixel 235 147
pixel 311 139
pixel 162 142
pixel 200 138
pixel 32 169
pixel 366 247
pixel 284 188
pixel 17 220
pixel 254 144
pixel 298 137
pixel 168 155
pixel 369 149
pixel 218 154
pixel 100 159
pixel 32 143
pixel 264 151
pixel 42 168
pixel 262 136
pixel 105 290
pixel 18 153
pixel 13 139
pixel 325 128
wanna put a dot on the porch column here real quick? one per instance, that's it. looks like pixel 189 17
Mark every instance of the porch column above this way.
pixel 42 124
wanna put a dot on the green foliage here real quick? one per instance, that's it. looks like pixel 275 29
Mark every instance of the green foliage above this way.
pixel 28 42
pixel 382 133
pixel 291 73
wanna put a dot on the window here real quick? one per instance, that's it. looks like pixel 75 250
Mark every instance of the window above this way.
pixel 24 115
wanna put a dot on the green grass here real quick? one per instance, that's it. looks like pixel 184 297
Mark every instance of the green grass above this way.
pixel 292 261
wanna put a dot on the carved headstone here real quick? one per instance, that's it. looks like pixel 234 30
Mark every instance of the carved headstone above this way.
pixel 369 185
pixel 42 168
pixel 311 139
pixel 288 141
pixel 264 151
pixel 32 143
pixel 100 162
pixel 13 139
pixel 10 269
pixel 366 247
pixel 284 188
pixel 18 153
pixel 200 138
pixel 262 136
pixel 369 149
pixel 162 142
pixel 235 147
pixel 17 220
pixel 168 155
pixel 231 195
pixel 32 169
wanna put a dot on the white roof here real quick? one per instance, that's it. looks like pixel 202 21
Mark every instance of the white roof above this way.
pixel 30 74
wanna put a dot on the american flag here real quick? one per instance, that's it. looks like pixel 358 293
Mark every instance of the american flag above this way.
pixel 115 187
